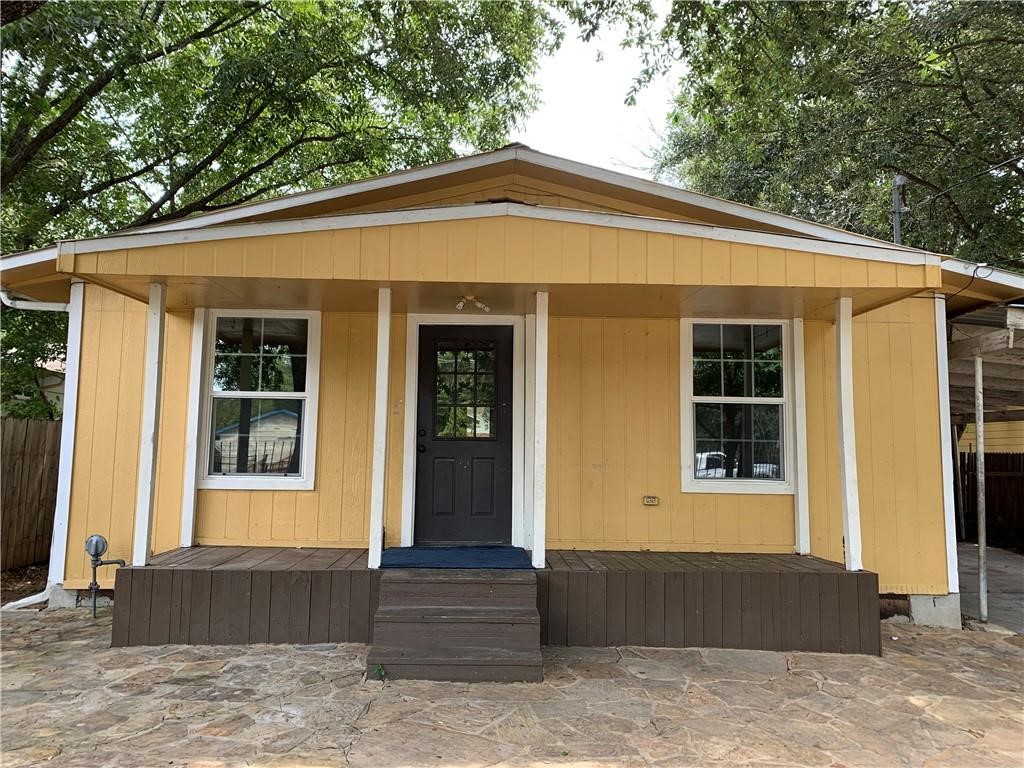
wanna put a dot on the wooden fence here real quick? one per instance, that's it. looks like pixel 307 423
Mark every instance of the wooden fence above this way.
pixel 29 455
pixel 1004 498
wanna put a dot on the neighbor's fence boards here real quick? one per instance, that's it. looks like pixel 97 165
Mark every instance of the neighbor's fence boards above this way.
pixel 29 457
pixel 1004 498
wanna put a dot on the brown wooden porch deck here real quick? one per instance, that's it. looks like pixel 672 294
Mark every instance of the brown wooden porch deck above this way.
pixel 239 595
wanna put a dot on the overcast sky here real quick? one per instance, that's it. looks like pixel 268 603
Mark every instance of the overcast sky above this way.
pixel 583 115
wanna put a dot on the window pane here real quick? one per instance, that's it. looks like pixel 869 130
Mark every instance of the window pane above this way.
pixel 707 421
pixel 767 379
pixel 283 373
pixel 736 342
pixel 736 441
pixel 484 390
pixel 274 354
pixel 767 422
pixel 709 461
pixel 767 461
pixel 768 342
pixel 485 360
pixel 284 335
pixel 707 378
pixel 737 380
pixel 464 392
pixel 445 360
pixel 483 422
pixel 445 388
pixel 707 342
pixel 444 425
pixel 256 436
pixel 238 334
pixel 464 361
pixel 234 373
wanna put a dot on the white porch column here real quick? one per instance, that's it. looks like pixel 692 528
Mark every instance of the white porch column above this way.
pixel 540 431
pixel 380 427
pixel 194 429
pixel 946 444
pixel 148 437
pixel 801 500
pixel 59 542
pixel 847 434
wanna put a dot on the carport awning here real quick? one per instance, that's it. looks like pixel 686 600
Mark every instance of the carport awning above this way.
pixel 996 335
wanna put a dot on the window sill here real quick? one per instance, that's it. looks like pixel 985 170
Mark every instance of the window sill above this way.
pixel 748 487
pixel 238 483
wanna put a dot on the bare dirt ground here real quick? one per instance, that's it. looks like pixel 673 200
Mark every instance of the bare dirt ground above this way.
pixel 17 583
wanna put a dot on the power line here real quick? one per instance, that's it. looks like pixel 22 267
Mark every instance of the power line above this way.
pixel 932 198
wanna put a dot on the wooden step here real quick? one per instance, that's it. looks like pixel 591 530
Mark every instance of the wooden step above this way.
pixel 457 587
pixel 457 625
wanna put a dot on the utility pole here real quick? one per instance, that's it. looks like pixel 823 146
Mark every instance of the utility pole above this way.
pixel 898 183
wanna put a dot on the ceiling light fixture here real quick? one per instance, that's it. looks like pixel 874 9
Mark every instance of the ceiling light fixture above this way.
pixel 461 303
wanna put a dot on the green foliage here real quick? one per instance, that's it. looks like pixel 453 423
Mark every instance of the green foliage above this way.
pixel 125 113
pixel 27 341
pixel 811 109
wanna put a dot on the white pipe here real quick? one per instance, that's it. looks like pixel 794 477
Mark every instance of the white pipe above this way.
pixel 25 602
pixel 979 439
pixel 39 306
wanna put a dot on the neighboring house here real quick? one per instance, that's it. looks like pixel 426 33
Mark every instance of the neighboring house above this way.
pixel 513 349
pixel 1000 437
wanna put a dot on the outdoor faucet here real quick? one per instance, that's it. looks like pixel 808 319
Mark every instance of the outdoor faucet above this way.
pixel 96 546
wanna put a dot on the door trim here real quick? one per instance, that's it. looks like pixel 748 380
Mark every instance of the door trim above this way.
pixel 519 363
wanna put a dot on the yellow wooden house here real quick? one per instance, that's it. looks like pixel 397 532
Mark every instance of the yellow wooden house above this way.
pixel 676 419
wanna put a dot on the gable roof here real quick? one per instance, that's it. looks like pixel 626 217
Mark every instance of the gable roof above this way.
pixel 523 159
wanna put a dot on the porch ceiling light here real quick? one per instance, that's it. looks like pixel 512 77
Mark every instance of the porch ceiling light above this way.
pixel 463 300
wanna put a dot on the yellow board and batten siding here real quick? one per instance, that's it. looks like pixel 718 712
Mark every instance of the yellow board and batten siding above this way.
pixel 614 424
pixel 505 249
pixel 107 443
pixel 336 512
pixel 899 464
pixel 103 482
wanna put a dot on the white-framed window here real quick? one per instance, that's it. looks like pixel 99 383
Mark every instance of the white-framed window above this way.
pixel 261 373
pixel 737 406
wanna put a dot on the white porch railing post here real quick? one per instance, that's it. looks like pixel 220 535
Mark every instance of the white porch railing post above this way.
pixel 847 434
pixel 380 428
pixel 148 433
pixel 540 431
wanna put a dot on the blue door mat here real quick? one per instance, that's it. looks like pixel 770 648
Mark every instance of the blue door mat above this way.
pixel 455 557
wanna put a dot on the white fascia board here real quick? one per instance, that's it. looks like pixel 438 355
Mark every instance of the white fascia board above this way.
pixel 337 192
pixel 487 210
pixel 984 274
pixel 688 197
pixel 531 156
pixel 28 258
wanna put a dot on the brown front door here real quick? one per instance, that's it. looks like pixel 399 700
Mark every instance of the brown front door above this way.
pixel 464 435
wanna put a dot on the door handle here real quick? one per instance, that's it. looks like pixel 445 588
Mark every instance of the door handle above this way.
pixel 421 448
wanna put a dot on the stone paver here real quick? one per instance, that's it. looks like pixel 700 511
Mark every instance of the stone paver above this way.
pixel 1005 585
pixel 936 698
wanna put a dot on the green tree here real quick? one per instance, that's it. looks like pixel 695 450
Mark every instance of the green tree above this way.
pixel 28 340
pixel 811 109
pixel 126 113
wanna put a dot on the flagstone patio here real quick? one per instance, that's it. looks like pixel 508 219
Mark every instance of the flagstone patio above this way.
pixel 935 698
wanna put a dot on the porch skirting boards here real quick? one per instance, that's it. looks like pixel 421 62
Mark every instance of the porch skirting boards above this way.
pixel 240 595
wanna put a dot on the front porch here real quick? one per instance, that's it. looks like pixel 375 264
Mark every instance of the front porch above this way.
pixel 244 595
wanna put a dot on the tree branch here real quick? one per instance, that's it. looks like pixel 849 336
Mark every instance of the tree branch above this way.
pixel 15 163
